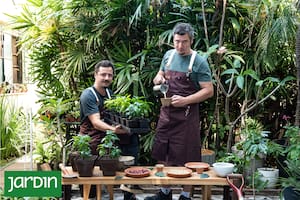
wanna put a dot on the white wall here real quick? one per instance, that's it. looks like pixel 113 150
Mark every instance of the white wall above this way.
pixel 27 100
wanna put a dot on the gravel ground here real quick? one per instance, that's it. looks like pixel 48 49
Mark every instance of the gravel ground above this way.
pixel 118 195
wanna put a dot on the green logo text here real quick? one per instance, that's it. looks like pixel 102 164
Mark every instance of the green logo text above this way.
pixel 32 183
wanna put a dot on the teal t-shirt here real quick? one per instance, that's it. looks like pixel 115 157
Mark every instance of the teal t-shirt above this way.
pixel 200 70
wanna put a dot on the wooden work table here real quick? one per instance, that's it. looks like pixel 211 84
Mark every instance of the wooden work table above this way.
pixel 120 178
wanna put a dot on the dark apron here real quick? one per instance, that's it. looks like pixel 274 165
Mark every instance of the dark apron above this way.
pixel 177 138
pixel 96 135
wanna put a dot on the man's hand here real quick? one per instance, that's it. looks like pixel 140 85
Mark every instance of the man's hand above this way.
pixel 120 130
pixel 178 101
pixel 159 78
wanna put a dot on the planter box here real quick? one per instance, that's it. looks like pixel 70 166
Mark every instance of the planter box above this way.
pixel 130 123
pixel 133 125
pixel 144 123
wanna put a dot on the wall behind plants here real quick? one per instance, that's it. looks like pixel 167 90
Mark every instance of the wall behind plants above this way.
pixel 67 38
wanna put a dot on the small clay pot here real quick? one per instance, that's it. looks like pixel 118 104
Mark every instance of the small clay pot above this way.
pixel 159 167
pixel 199 170
pixel 166 101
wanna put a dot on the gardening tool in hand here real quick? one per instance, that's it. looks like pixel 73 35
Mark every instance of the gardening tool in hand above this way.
pixel 232 180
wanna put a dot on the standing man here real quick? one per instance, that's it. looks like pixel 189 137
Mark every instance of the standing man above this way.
pixel 177 138
pixel 91 114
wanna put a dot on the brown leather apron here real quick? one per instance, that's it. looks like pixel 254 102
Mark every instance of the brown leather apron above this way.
pixel 177 138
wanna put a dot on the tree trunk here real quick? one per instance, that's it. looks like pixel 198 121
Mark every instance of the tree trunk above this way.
pixel 297 117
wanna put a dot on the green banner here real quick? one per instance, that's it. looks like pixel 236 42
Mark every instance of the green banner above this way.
pixel 32 184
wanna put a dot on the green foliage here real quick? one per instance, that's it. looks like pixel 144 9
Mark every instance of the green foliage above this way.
pixel 130 107
pixel 147 143
pixel 292 150
pixel 256 139
pixel 239 162
pixel 256 182
pixel 66 38
pixel 138 108
pixel 108 146
pixel 119 103
pixel 82 146
pixel 256 143
pixel 292 133
pixel 12 129
pixel 47 152
pixel 50 115
pixel 41 154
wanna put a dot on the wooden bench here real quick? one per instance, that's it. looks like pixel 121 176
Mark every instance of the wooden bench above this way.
pixel 120 178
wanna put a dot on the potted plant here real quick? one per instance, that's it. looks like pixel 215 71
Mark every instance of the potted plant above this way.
pixel 116 106
pixel 40 155
pixel 84 160
pixel 249 153
pixel 130 112
pixel 139 110
pixel 109 154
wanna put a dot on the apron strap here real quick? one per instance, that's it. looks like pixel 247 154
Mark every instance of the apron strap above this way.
pixel 97 99
pixel 107 92
pixel 192 61
pixel 170 58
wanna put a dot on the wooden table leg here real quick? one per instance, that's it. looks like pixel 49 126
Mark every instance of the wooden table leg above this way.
pixel 67 192
pixel 110 189
pixel 206 192
pixel 86 191
pixel 98 188
pixel 226 192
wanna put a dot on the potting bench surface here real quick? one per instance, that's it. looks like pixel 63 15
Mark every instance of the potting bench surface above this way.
pixel 206 180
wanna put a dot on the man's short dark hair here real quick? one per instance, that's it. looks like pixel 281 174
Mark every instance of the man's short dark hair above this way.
pixel 183 28
pixel 104 63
